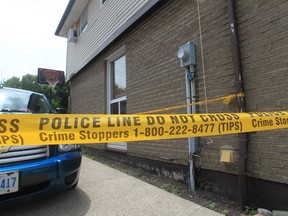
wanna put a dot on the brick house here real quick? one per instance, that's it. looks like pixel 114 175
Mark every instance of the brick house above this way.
pixel 121 58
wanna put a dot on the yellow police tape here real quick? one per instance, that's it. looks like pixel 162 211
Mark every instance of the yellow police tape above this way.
pixel 226 100
pixel 49 129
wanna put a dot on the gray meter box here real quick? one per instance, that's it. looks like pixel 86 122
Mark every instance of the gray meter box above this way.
pixel 187 54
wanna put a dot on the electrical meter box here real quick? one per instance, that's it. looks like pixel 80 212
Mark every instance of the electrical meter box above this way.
pixel 187 54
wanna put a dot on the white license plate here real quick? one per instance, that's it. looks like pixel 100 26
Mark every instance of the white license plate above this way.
pixel 9 182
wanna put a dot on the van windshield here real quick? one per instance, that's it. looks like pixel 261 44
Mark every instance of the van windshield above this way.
pixel 18 101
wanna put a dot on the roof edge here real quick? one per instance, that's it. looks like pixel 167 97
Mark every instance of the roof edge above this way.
pixel 64 17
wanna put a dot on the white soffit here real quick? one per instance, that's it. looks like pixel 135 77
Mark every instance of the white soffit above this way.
pixel 73 16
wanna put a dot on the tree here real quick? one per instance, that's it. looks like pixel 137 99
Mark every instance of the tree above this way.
pixel 59 94
pixel 62 94
pixel 29 82
pixel 13 82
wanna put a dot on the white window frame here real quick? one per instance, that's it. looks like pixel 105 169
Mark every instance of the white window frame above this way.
pixel 84 16
pixel 102 2
pixel 117 146
pixel 117 100
pixel 120 52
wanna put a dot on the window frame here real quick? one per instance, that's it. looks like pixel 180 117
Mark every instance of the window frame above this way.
pixel 102 2
pixel 109 60
pixel 84 15
pixel 115 146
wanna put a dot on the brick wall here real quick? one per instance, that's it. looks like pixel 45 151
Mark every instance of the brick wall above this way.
pixel 263 27
pixel 155 78
pixel 88 91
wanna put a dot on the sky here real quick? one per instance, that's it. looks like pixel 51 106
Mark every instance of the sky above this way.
pixel 27 37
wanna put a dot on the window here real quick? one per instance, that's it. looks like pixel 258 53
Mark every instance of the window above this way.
pixel 84 20
pixel 38 104
pixel 116 89
pixel 21 101
pixel 117 84
pixel 103 1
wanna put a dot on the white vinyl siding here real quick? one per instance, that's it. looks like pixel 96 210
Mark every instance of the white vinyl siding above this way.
pixel 103 22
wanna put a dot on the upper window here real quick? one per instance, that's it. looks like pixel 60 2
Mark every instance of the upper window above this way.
pixel 84 20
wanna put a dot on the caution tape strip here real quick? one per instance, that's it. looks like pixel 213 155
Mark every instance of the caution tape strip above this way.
pixel 51 129
pixel 226 100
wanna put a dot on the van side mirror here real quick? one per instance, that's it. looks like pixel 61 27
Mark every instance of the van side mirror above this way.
pixel 60 110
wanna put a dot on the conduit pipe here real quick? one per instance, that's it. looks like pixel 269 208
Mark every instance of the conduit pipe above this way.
pixel 187 56
pixel 239 84
pixel 192 141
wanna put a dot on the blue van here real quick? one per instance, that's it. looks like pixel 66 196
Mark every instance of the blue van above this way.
pixel 30 172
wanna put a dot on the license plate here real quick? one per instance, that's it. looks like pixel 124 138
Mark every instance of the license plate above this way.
pixel 9 182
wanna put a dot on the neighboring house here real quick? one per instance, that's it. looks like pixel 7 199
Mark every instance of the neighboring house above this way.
pixel 121 58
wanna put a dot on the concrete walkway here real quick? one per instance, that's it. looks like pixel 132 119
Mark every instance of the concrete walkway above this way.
pixel 115 193
pixel 104 191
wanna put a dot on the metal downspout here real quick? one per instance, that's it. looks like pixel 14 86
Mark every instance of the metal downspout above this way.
pixel 243 137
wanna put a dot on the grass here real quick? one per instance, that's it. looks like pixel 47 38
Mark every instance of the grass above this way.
pixel 172 188
pixel 211 206
pixel 225 212
pixel 88 153
pixel 250 211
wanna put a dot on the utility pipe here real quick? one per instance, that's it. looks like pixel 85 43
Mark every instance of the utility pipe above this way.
pixel 239 84
pixel 192 141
